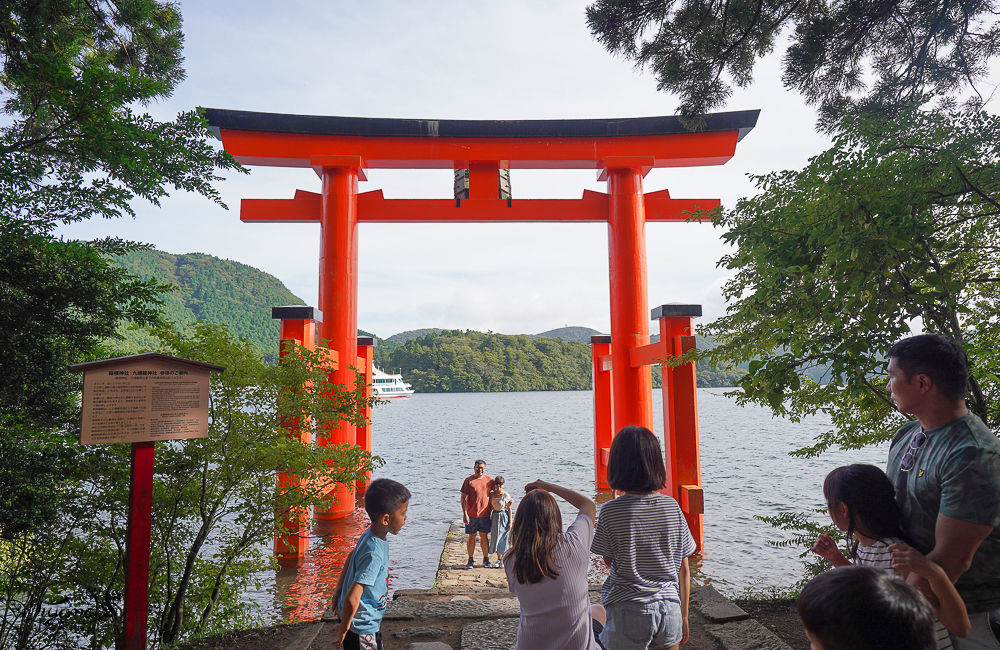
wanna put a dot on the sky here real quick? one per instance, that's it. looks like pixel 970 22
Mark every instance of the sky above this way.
pixel 451 60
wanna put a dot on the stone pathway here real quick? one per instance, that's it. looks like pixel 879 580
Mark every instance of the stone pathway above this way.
pixel 471 609
pixel 451 567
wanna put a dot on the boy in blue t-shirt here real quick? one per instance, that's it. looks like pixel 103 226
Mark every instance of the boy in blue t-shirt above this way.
pixel 361 603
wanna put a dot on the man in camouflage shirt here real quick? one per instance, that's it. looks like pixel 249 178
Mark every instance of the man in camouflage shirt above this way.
pixel 946 468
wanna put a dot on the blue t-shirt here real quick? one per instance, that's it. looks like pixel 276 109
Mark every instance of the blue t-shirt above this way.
pixel 369 566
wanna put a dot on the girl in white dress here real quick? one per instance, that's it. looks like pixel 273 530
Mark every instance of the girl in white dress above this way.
pixel 500 519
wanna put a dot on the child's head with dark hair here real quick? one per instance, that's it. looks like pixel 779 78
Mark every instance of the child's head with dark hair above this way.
pixel 862 499
pixel 860 608
pixel 385 497
pixel 635 463
pixel 533 538
pixel 938 357
pixel 499 480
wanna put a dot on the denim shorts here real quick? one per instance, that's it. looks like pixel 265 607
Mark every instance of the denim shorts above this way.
pixel 643 625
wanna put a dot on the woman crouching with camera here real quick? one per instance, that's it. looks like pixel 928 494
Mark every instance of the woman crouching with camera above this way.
pixel 547 571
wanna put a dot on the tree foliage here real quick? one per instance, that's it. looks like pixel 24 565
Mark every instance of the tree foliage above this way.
pixel 445 361
pixel 893 228
pixel 58 300
pixel 215 503
pixel 75 143
pixel 842 55
pixel 73 147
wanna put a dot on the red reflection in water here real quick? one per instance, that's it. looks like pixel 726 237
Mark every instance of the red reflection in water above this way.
pixel 304 591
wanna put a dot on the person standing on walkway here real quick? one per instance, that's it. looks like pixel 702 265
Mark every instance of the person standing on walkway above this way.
pixel 645 540
pixel 501 502
pixel 476 510
pixel 946 469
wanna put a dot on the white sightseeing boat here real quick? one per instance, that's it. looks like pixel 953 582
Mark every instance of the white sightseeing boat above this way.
pixel 387 386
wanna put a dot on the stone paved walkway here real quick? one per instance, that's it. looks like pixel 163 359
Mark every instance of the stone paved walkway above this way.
pixel 451 567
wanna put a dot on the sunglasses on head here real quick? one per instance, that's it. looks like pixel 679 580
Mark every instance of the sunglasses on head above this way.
pixel 910 457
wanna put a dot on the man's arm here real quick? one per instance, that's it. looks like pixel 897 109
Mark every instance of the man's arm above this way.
pixel 351 602
pixel 465 515
pixel 955 542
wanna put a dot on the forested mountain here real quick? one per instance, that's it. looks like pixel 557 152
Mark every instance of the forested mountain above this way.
pixel 461 362
pixel 569 334
pixel 213 290
pixel 457 361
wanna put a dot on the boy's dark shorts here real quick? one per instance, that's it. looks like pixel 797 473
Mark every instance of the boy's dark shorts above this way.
pixel 478 525
pixel 354 641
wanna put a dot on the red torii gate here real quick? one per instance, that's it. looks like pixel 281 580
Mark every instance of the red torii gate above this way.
pixel 340 149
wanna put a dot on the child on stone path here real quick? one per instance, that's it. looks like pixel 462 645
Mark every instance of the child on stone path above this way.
pixel 861 608
pixel 362 591
pixel 862 502
pixel 499 519
pixel 645 539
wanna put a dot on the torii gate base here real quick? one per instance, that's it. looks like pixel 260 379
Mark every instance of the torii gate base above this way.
pixel 680 410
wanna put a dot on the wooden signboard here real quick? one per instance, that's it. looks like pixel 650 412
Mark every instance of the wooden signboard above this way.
pixel 141 399
pixel 144 399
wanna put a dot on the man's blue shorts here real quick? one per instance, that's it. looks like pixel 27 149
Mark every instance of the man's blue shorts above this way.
pixel 478 525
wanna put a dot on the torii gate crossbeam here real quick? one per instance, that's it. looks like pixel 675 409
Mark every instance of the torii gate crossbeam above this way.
pixel 340 149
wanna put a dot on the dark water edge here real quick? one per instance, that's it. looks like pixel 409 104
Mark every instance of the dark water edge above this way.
pixel 429 443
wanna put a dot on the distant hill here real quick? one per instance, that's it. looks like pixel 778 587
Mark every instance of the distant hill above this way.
pixel 213 290
pixel 470 361
pixel 568 334
pixel 403 337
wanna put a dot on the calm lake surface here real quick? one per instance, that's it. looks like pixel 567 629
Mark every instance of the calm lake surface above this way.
pixel 429 443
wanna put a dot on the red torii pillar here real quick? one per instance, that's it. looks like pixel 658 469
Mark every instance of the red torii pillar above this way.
pixel 338 291
pixel 627 253
pixel 681 449
pixel 297 327
pixel 366 357
pixel 680 414
pixel 604 431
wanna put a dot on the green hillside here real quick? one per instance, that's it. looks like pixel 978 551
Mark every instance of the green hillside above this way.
pixel 569 334
pixel 462 362
pixel 213 290
pixel 444 361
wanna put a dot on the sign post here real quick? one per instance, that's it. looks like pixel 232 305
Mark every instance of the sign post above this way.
pixel 141 399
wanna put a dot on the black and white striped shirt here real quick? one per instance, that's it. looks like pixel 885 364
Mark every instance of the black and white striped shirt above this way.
pixel 647 538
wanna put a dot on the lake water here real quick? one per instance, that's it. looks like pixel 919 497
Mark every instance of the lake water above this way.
pixel 429 443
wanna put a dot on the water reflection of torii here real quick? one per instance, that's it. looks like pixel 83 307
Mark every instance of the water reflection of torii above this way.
pixel 340 149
